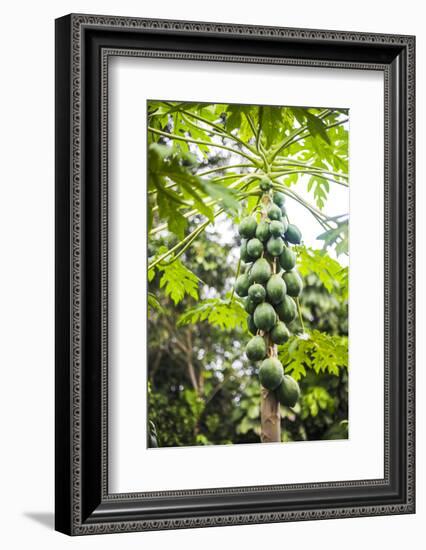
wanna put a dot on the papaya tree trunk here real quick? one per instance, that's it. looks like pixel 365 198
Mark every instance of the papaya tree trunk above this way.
pixel 270 420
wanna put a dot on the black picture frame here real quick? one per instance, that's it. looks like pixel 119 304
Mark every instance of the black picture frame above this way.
pixel 83 46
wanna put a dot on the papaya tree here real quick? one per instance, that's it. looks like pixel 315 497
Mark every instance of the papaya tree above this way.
pixel 242 165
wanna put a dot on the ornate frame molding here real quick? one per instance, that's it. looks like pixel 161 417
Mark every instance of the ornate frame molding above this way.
pixel 72 47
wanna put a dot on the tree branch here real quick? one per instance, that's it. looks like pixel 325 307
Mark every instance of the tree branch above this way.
pixel 200 142
pixel 221 132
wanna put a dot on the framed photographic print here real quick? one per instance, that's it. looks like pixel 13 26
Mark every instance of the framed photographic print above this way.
pixel 234 274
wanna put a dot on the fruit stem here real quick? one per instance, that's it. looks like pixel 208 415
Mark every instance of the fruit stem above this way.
pixel 184 243
pixel 256 206
pixel 220 169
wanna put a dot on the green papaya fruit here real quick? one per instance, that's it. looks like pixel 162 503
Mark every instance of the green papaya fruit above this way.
pixel 257 293
pixel 275 289
pixel 242 285
pixel 252 328
pixel 276 228
pixel 284 222
pixel 247 228
pixel 294 283
pixel 275 246
pixel 249 305
pixel 274 212
pixel 286 309
pixel 287 259
pixel 278 198
pixel 265 184
pixel 293 234
pixel 262 231
pixel 288 392
pixel 260 271
pixel 271 373
pixel 243 251
pixel 254 248
pixel 256 348
pixel 280 333
pixel 264 316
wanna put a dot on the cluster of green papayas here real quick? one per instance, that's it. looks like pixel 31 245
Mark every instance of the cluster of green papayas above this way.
pixel 269 286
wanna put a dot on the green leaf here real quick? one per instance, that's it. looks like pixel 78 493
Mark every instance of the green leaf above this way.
pixel 339 430
pixel 166 165
pixel 178 280
pixel 314 400
pixel 153 303
pixel 179 128
pixel 191 190
pixel 245 425
pixel 318 351
pixel 216 311
pixel 233 117
pixel 245 131
pixel 291 179
pixel 332 275
pixel 315 125
pixel 177 224
pixel 225 196
pixel 271 124
pixel 321 189
pixel 337 236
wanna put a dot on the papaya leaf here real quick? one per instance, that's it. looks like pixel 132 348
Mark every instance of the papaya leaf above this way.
pixel 317 127
pixel 339 430
pixel 153 303
pixel 291 179
pixel 245 132
pixel 225 196
pixel 321 188
pixel 318 351
pixel 325 146
pixel 288 119
pixel 168 164
pixel 332 275
pixel 314 400
pixel 177 224
pixel 299 115
pixel 178 106
pixel 233 117
pixel 217 312
pixel 168 209
pixel 180 129
pixel 191 190
pixel 271 124
pixel 158 116
pixel 337 236
pixel 178 281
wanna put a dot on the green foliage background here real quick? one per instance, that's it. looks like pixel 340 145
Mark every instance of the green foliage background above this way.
pixel 204 166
